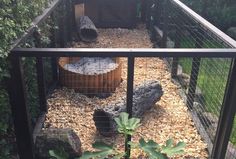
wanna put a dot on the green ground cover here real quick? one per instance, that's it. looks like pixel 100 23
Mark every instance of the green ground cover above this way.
pixel 212 78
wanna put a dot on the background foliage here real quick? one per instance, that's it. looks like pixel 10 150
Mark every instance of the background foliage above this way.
pixel 15 17
pixel 219 12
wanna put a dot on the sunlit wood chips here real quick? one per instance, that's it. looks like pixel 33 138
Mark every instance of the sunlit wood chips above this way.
pixel 169 118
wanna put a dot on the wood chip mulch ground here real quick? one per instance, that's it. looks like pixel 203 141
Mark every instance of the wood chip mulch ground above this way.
pixel 169 118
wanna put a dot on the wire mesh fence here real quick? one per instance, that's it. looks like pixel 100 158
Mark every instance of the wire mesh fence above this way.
pixel 96 89
pixel 203 80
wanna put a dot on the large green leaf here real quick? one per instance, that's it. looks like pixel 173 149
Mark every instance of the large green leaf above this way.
pixel 104 151
pixel 133 123
pixel 96 155
pixel 58 154
pixel 152 149
pixel 125 125
pixel 170 150
pixel 102 146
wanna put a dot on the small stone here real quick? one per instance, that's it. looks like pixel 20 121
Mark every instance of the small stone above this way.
pixel 57 139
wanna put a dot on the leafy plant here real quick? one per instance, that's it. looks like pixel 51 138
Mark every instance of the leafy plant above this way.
pixel 104 152
pixel 127 127
pixel 170 149
pixel 15 18
pixel 58 154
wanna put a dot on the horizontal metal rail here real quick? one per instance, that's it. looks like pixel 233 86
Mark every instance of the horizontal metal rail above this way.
pixel 101 52
pixel 205 24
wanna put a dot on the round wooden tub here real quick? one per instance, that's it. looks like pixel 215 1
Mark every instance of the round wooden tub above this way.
pixel 99 84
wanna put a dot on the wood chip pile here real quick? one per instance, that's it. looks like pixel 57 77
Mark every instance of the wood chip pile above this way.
pixel 169 118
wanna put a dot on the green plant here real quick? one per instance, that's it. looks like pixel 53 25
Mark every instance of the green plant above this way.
pixel 15 18
pixel 104 152
pixel 59 153
pixel 127 126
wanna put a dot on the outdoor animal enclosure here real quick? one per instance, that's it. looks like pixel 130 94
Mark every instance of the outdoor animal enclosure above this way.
pixel 84 86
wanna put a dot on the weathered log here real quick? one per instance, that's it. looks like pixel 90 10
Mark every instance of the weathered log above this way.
pixel 57 139
pixel 145 96
pixel 86 29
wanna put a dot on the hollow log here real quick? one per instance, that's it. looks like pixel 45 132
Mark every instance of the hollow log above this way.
pixel 145 96
pixel 86 29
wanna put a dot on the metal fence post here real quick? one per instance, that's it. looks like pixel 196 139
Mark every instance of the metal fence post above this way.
pixel 73 22
pixel 148 14
pixel 41 85
pixel 20 110
pixel 143 10
pixel 193 81
pixel 196 62
pixel 40 75
pixel 165 23
pixel 53 45
pixel 174 66
pixel 227 115
pixel 62 34
pixel 129 102
pixel 68 19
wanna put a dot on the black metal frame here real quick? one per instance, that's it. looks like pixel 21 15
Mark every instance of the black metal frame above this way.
pixel 19 106
pixel 20 111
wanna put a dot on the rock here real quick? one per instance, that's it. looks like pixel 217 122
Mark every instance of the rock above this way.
pixel 57 139
pixel 232 32
pixel 212 118
pixel 86 29
pixel 198 108
pixel 211 122
pixel 170 43
pixel 199 97
pixel 211 130
pixel 145 96
pixel 231 150
pixel 183 79
pixel 180 70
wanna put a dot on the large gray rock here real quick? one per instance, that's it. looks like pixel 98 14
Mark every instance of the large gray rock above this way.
pixel 232 32
pixel 145 96
pixel 57 139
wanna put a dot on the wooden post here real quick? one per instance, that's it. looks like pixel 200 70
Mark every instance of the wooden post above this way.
pixel 20 110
